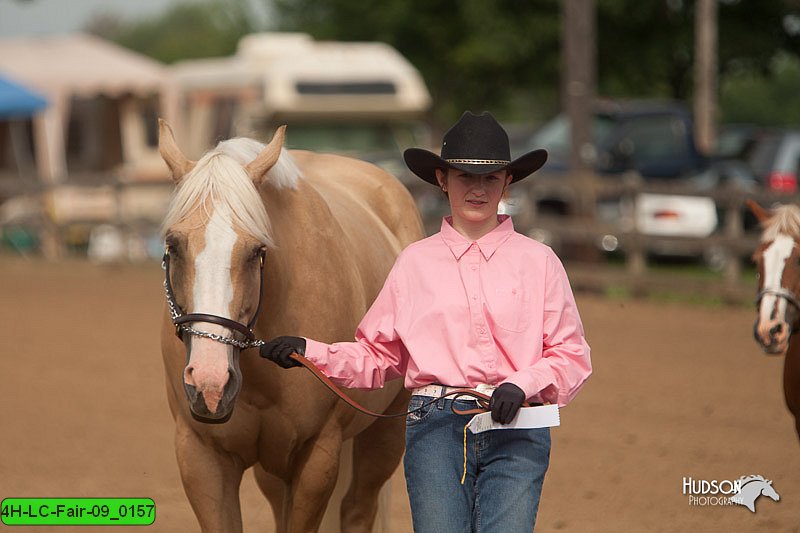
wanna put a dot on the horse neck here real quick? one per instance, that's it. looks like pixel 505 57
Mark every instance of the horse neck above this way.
pixel 791 376
pixel 310 248
pixel 791 361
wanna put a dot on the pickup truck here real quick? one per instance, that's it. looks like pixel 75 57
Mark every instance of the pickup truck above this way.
pixel 654 139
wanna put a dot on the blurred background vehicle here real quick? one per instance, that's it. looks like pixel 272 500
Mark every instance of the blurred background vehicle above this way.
pixel 775 159
pixel 773 154
pixel 653 137
pixel 648 146
pixel 356 98
pixel 361 99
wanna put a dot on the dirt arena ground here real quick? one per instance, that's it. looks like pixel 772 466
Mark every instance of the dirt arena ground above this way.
pixel 678 391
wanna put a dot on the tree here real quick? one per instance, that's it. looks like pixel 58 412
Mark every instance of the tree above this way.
pixel 505 55
pixel 747 96
pixel 500 55
pixel 647 48
pixel 473 54
pixel 185 31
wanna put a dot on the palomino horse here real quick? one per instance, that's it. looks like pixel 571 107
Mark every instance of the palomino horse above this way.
pixel 778 262
pixel 314 235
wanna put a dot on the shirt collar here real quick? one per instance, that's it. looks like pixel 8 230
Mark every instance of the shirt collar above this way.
pixel 488 244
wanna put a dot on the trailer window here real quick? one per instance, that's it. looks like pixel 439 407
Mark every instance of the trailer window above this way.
pixel 356 88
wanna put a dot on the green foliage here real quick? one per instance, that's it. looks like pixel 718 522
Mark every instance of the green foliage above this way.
pixel 772 99
pixel 504 55
pixel 189 30
pixel 473 54
pixel 643 49
pixel 647 48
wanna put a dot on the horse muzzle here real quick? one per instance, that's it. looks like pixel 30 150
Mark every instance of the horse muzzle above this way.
pixel 209 404
pixel 773 338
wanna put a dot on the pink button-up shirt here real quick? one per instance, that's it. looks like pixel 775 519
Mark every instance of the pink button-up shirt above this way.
pixel 461 313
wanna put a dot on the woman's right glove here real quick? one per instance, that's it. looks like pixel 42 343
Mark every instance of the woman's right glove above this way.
pixel 505 402
pixel 279 350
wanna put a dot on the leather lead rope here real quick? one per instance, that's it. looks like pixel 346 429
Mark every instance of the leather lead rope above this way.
pixel 482 399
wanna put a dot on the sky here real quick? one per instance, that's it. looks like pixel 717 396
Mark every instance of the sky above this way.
pixel 42 17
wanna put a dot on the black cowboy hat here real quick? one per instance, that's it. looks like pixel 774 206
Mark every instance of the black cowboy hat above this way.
pixel 477 144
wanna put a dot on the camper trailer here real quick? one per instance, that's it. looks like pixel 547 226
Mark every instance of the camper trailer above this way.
pixel 357 98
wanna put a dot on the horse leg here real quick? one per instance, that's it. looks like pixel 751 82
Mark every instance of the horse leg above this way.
pixel 275 491
pixel 376 455
pixel 211 479
pixel 316 472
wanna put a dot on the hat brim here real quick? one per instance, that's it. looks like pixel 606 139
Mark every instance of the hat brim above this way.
pixel 424 163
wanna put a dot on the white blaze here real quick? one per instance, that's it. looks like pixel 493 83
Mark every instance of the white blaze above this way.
pixel 213 292
pixel 775 257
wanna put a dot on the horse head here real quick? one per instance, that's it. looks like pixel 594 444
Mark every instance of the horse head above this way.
pixel 769 491
pixel 216 233
pixel 778 262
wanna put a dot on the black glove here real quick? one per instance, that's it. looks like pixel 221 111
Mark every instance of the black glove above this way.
pixel 279 349
pixel 505 402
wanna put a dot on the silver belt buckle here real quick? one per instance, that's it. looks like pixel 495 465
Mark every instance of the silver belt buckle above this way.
pixel 483 388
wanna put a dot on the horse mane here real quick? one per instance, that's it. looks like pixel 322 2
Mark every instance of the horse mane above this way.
pixel 744 480
pixel 220 176
pixel 785 220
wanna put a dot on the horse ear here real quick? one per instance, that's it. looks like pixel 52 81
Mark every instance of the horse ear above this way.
pixel 171 154
pixel 760 213
pixel 257 169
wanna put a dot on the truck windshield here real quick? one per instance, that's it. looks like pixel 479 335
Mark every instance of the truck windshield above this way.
pixel 554 136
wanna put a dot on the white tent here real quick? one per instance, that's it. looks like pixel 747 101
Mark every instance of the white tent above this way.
pixel 82 65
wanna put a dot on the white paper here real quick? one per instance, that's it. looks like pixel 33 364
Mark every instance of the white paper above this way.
pixel 542 416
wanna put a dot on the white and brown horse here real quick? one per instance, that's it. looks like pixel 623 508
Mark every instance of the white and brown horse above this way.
pixel 314 236
pixel 778 261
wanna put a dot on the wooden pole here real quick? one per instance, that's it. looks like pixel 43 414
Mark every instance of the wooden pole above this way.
pixel 578 80
pixel 578 77
pixel 705 75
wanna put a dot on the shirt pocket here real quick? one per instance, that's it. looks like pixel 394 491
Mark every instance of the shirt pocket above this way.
pixel 509 306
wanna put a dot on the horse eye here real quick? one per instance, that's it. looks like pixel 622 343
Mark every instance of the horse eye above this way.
pixel 172 248
pixel 257 252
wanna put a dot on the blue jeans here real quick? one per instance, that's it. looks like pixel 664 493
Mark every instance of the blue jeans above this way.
pixel 504 472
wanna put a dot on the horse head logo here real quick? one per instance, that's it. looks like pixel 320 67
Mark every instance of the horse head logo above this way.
pixel 751 487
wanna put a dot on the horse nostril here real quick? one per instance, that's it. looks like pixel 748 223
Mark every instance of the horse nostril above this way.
pixel 187 375
pixel 776 329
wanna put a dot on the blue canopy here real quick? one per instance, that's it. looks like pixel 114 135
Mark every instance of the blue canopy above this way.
pixel 17 101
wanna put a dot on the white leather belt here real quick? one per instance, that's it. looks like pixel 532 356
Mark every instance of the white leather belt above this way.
pixel 434 391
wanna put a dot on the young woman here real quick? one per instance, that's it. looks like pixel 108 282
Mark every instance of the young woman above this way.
pixel 477 306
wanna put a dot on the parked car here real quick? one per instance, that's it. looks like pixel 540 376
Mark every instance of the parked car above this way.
pixel 775 159
pixel 654 139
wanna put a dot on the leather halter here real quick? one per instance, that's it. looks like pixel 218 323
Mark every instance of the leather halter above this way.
pixel 181 319
pixel 781 292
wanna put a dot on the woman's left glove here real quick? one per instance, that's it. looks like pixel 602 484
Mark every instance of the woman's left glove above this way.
pixel 279 350
pixel 505 402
